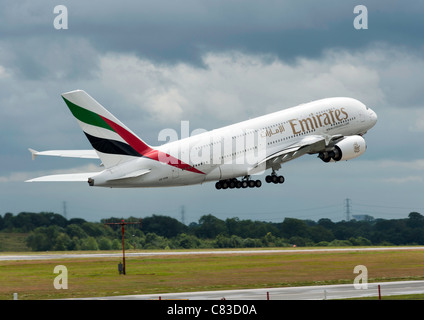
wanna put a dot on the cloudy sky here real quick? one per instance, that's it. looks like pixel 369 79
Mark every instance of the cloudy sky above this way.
pixel 154 64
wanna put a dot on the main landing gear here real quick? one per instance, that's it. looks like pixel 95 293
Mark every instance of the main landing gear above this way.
pixel 247 183
pixel 274 178
pixel 235 183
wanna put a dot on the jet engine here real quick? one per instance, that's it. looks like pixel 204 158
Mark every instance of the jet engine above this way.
pixel 349 148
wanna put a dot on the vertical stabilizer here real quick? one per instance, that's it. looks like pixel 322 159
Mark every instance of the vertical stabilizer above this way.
pixel 112 140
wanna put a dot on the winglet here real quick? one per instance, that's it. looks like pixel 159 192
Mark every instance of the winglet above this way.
pixel 34 153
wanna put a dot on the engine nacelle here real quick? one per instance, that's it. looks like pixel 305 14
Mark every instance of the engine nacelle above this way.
pixel 349 148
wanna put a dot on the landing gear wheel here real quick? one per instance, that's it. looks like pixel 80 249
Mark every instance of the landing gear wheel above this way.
pixel 235 183
pixel 274 179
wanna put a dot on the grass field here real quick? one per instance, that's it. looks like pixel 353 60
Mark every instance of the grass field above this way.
pixel 97 277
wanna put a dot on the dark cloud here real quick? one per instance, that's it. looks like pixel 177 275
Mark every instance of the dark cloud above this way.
pixel 44 58
pixel 172 31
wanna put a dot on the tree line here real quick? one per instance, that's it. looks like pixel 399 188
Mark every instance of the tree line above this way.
pixel 49 231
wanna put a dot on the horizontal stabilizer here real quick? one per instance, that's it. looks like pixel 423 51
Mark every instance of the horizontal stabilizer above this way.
pixel 87 154
pixel 70 177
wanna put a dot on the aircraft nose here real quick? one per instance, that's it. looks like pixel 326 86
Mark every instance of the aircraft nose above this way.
pixel 373 117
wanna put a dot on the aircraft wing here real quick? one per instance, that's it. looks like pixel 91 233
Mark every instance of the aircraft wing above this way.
pixel 88 154
pixel 309 144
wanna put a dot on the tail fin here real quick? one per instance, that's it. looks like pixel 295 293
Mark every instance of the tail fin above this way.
pixel 112 140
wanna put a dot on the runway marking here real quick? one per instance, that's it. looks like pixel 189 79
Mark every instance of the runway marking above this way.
pixel 56 256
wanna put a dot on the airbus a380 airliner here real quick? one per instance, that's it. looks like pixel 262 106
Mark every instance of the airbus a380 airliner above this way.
pixel 332 128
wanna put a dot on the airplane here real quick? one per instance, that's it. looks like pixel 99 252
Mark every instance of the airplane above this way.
pixel 332 128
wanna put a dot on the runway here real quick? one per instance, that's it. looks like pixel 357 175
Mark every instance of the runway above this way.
pixel 342 291
pixel 59 256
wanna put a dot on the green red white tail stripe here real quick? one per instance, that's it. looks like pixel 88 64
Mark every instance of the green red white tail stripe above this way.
pixel 113 141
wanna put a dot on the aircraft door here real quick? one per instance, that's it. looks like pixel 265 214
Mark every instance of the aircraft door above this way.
pixel 175 172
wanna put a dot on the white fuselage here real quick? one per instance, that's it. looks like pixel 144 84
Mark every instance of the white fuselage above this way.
pixel 235 150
